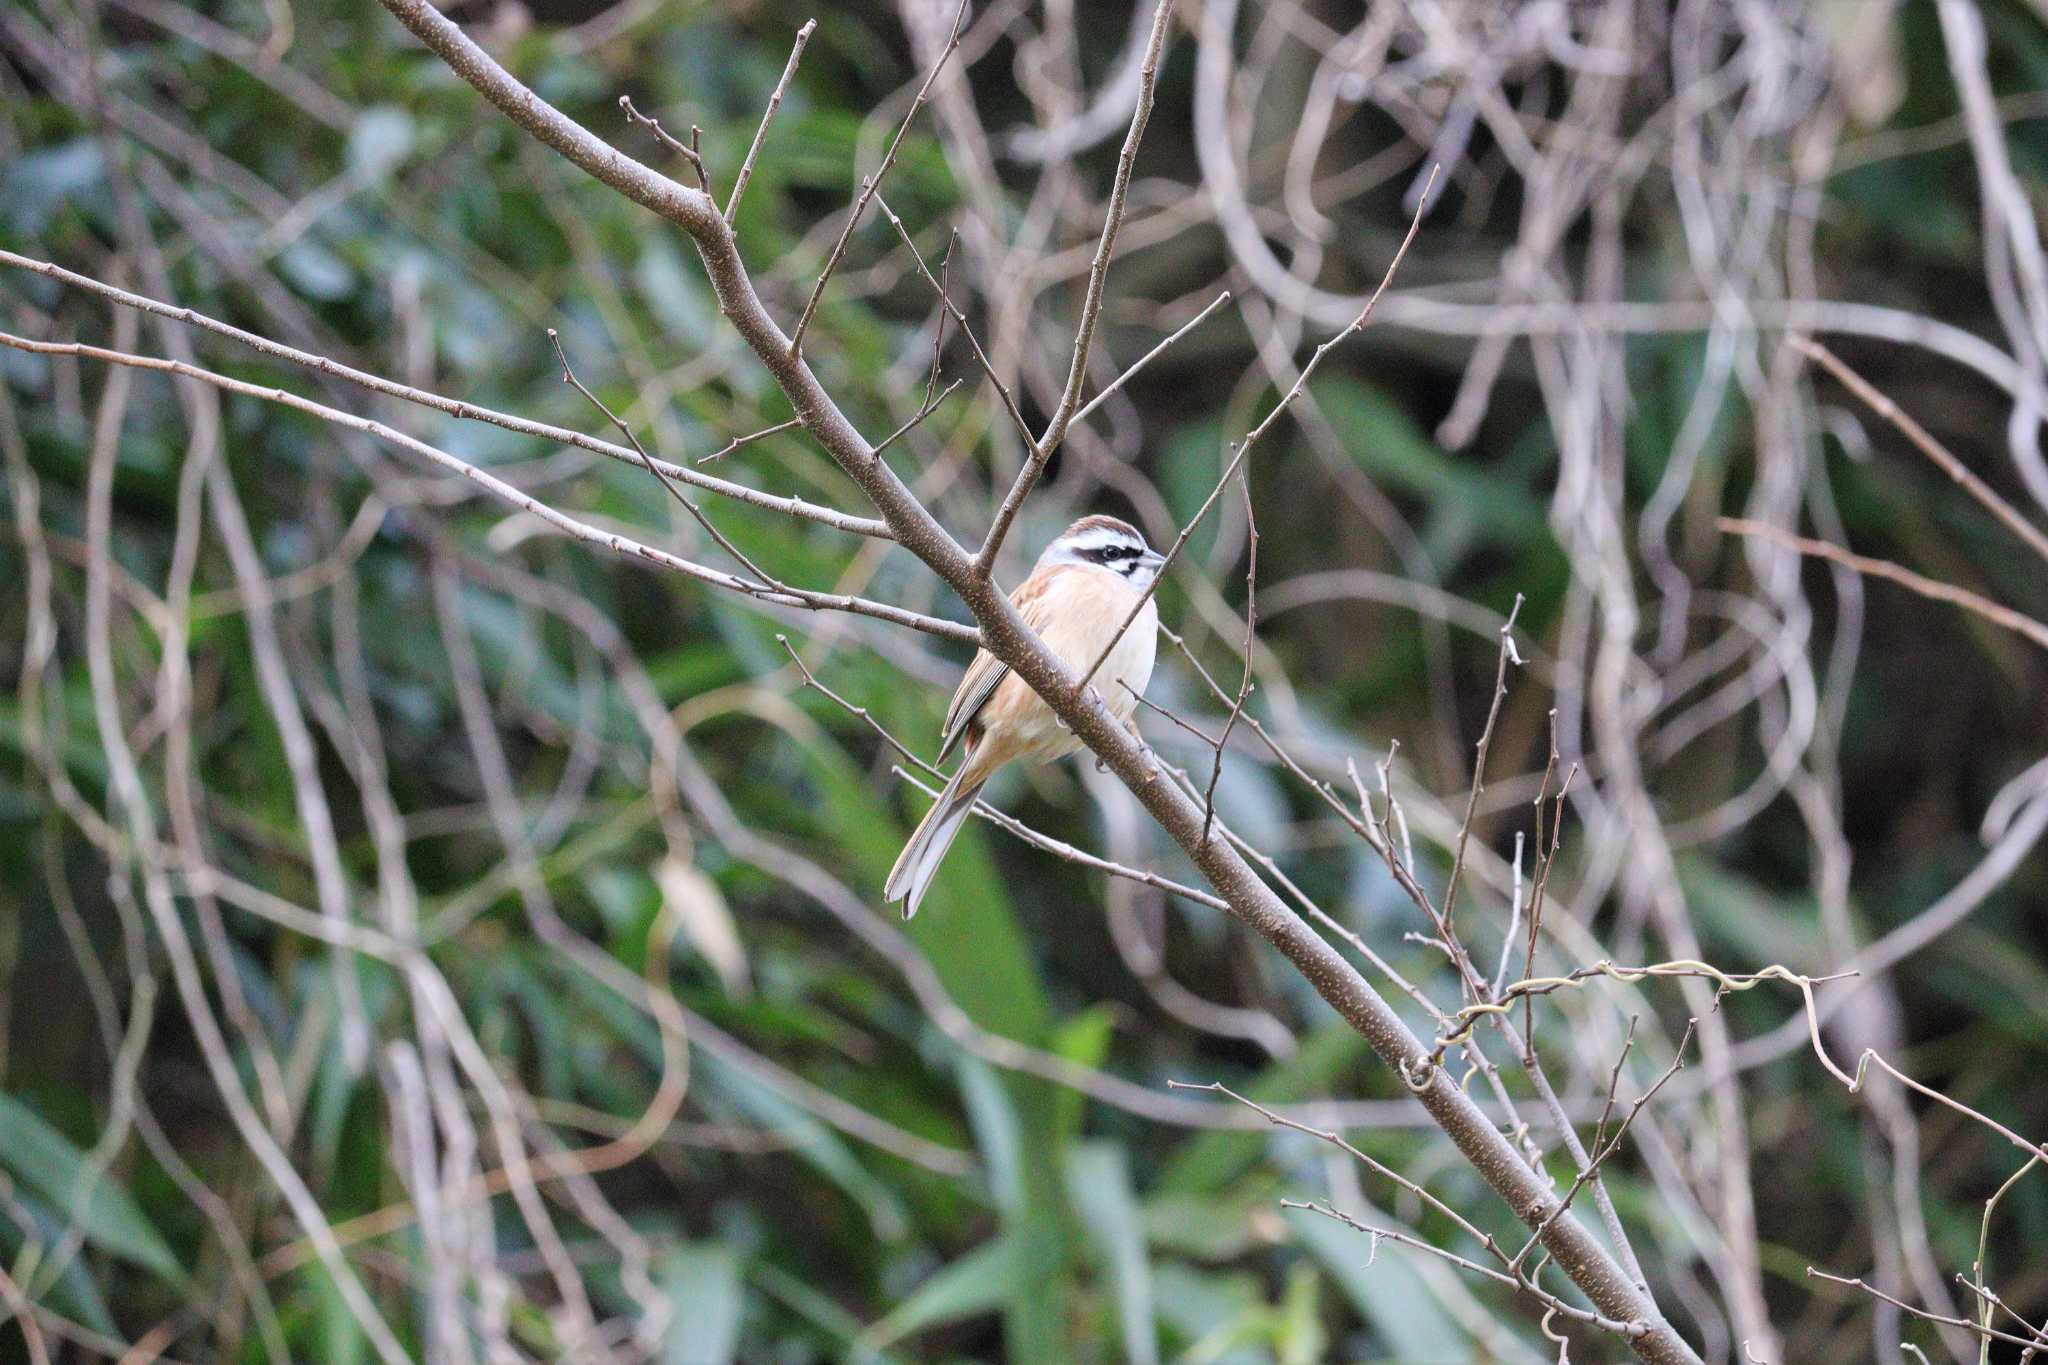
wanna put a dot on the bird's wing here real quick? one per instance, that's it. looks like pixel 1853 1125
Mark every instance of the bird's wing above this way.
pixel 984 675
pixel 1032 599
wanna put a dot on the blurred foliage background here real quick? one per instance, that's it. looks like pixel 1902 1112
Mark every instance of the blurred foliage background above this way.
pixel 875 1157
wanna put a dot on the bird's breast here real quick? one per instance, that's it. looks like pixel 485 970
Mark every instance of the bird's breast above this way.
pixel 1077 612
pixel 1084 610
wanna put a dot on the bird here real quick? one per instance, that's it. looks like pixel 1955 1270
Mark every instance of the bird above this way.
pixel 1077 596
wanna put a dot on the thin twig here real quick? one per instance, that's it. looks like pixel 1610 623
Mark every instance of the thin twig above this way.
pixel 1627 1330
pixel 959 318
pixel 561 521
pixel 1061 849
pixel 1251 438
pixel 1871 1054
pixel 1251 626
pixel 674 489
pixel 1601 1152
pixel 1445 922
pixel 1998 614
pixel 1343 1144
pixel 749 439
pixel 931 381
pixel 871 185
pixel 1109 389
pixel 1546 860
pixel 453 407
pixel 1924 441
pixel 930 406
pixel 1984 1242
pixel 739 184
pixel 686 150
pixel 1993 1301
pixel 1042 449
pixel 1208 740
pixel 1987 1333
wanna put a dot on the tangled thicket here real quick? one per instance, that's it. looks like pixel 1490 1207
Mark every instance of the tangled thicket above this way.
pixel 471 672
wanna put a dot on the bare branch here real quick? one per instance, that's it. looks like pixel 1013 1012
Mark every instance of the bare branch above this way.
pixel 767 592
pixel 1977 1267
pixel 674 490
pixel 947 305
pixel 2017 622
pixel 1944 459
pixel 872 184
pixel 930 406
pixel 1110 389
pixel 1084 713
pixel 1251 627
pixel 945 308
pixel 1986 1333
pixel 1091 304
pixel 1602 1151
pixel 796 54
pixel 1630 1331
pixel 736 442
pixel 795 507
pixel 1251 438
pixel 686 150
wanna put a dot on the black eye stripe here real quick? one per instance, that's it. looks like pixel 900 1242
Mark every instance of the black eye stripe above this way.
pixel 1109 554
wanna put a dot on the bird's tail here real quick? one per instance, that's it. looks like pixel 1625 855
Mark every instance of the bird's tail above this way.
pixel 920 859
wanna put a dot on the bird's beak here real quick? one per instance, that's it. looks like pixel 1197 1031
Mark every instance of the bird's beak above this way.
pixel 1153 562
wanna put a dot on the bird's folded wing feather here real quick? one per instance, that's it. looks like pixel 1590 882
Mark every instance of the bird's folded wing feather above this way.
pixel 1033 600
pixel 984 675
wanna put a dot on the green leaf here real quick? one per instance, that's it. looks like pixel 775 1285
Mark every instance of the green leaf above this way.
pixel 1392 448
pixel 998 1133
pixel 980 1282
pixel 74 1294
pixel 1215 1313
pixel 819 1309
pixel 703 1283
pixel 1298 1329
pixel 811 1139
pixel 334 1323
pixel 1084 1040
pixel 1099 1184
pixel 46 1161
pixel 1210 1227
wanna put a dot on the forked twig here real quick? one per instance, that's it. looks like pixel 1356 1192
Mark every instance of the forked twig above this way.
pixel 674 489
pixel 871 185
pixel 947 306
pixel 1042 449
pixel 736 442
pixel 688 151
pixel 1252 437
